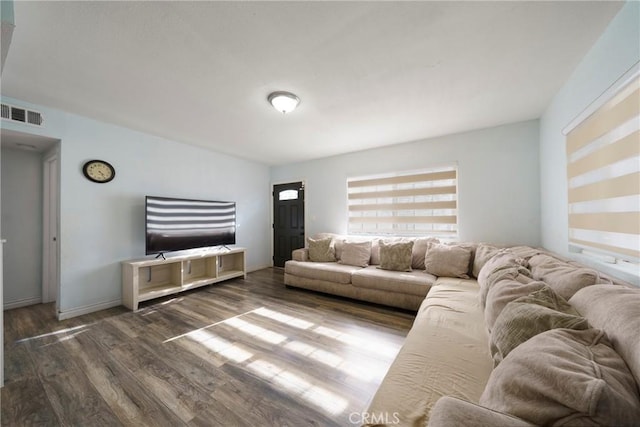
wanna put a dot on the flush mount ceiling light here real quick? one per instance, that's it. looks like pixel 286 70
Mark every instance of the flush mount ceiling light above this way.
pixel 285 102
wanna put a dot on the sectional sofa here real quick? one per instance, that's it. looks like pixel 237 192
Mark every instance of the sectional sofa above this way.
pixel 515 337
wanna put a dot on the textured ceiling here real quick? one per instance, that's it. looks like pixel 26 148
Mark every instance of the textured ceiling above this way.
pixel 369 74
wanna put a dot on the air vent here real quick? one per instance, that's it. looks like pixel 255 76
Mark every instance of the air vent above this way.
pixel 21 115
pixel 34 118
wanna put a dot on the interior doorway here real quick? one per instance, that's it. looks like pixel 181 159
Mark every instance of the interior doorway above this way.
pixel 288 220
pixel 30 217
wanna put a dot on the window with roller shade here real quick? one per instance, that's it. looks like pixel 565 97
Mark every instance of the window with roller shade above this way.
pixel 409 203
pixel 603 172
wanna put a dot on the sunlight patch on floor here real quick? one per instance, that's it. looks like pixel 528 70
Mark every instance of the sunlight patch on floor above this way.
pixel 55 334
pixel 284 318
pixel 377 346
pixel 318 396
pixel 330 359
pixel 323 356
pixel 221 346
pixel 255 330
pixel 206 327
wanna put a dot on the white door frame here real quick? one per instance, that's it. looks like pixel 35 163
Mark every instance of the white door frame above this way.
pixel 2 242
pixel 50 230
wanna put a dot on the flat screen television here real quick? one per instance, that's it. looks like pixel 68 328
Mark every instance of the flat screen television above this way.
pixel 179 224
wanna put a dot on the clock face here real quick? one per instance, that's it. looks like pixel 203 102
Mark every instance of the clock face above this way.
pixel 98 171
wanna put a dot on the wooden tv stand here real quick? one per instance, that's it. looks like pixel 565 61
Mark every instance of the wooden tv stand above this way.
pixel 145 279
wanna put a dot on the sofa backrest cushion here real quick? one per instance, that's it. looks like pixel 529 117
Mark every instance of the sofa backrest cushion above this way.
pixel 616 310
pixel 502 265
pixel 526 252
pixel 565 377
pixel 419 251
pixel 564 278
pixel 504 291
pixel 529 316
pixel 483 254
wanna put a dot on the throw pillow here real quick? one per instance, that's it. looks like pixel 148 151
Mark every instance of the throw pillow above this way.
pixel 321 250
pixel 564 278
pixel 356 253
pixel 565 377
pixel 529 316
pixel 395 256
pixel 419 251
pixel 375 248
pixel 483 254
pixel 447 260
pixel 503 292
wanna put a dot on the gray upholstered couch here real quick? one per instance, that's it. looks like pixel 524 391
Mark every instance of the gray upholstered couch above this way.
pixel 527 339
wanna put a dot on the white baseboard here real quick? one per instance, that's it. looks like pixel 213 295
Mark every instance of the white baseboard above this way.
pixel 8 305
pixel 257 267
pixel 79 311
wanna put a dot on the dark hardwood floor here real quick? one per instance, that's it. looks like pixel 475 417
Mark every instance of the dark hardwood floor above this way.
pixel 238 353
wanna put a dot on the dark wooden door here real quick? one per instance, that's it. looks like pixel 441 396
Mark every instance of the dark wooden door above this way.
pixel 288 221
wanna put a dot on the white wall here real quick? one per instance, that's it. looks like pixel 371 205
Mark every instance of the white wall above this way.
pixel 614 53
pixel 103 224
pixel 22 226
pixel 497 181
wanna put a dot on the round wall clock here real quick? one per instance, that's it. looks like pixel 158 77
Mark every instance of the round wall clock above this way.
pixel 98 171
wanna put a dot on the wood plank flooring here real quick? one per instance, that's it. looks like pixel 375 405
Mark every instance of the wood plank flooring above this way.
pixel 238 353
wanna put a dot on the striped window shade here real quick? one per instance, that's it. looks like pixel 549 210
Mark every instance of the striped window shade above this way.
pixel 405 203
pixel 603 172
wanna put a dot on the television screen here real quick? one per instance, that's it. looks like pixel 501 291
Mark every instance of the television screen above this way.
pixel 178 224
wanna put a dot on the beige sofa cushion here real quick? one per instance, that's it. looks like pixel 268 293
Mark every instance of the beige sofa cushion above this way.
pixel 419 251
pixel 502 265
pixel 525 252
pixel 356 253
pixel 529 316
pixel 504 291
pixel 445 353
pixel 327 271
pixel 414 283
pixel 395 256
pixel 301 254
pixel 616 310
pixel 564 278
pixel 447 260
pixel 484 253
pixel 565 377
pixel 452 412
pixel 321 250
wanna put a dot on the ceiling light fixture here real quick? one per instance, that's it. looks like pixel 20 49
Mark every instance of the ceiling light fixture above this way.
pixel 285 102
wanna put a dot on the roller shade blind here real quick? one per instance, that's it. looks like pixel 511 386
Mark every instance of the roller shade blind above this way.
pixel 405 203
pixel 603 172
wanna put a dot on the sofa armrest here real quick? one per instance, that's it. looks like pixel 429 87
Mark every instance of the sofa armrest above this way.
pixel 301 254
pixel 453 412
